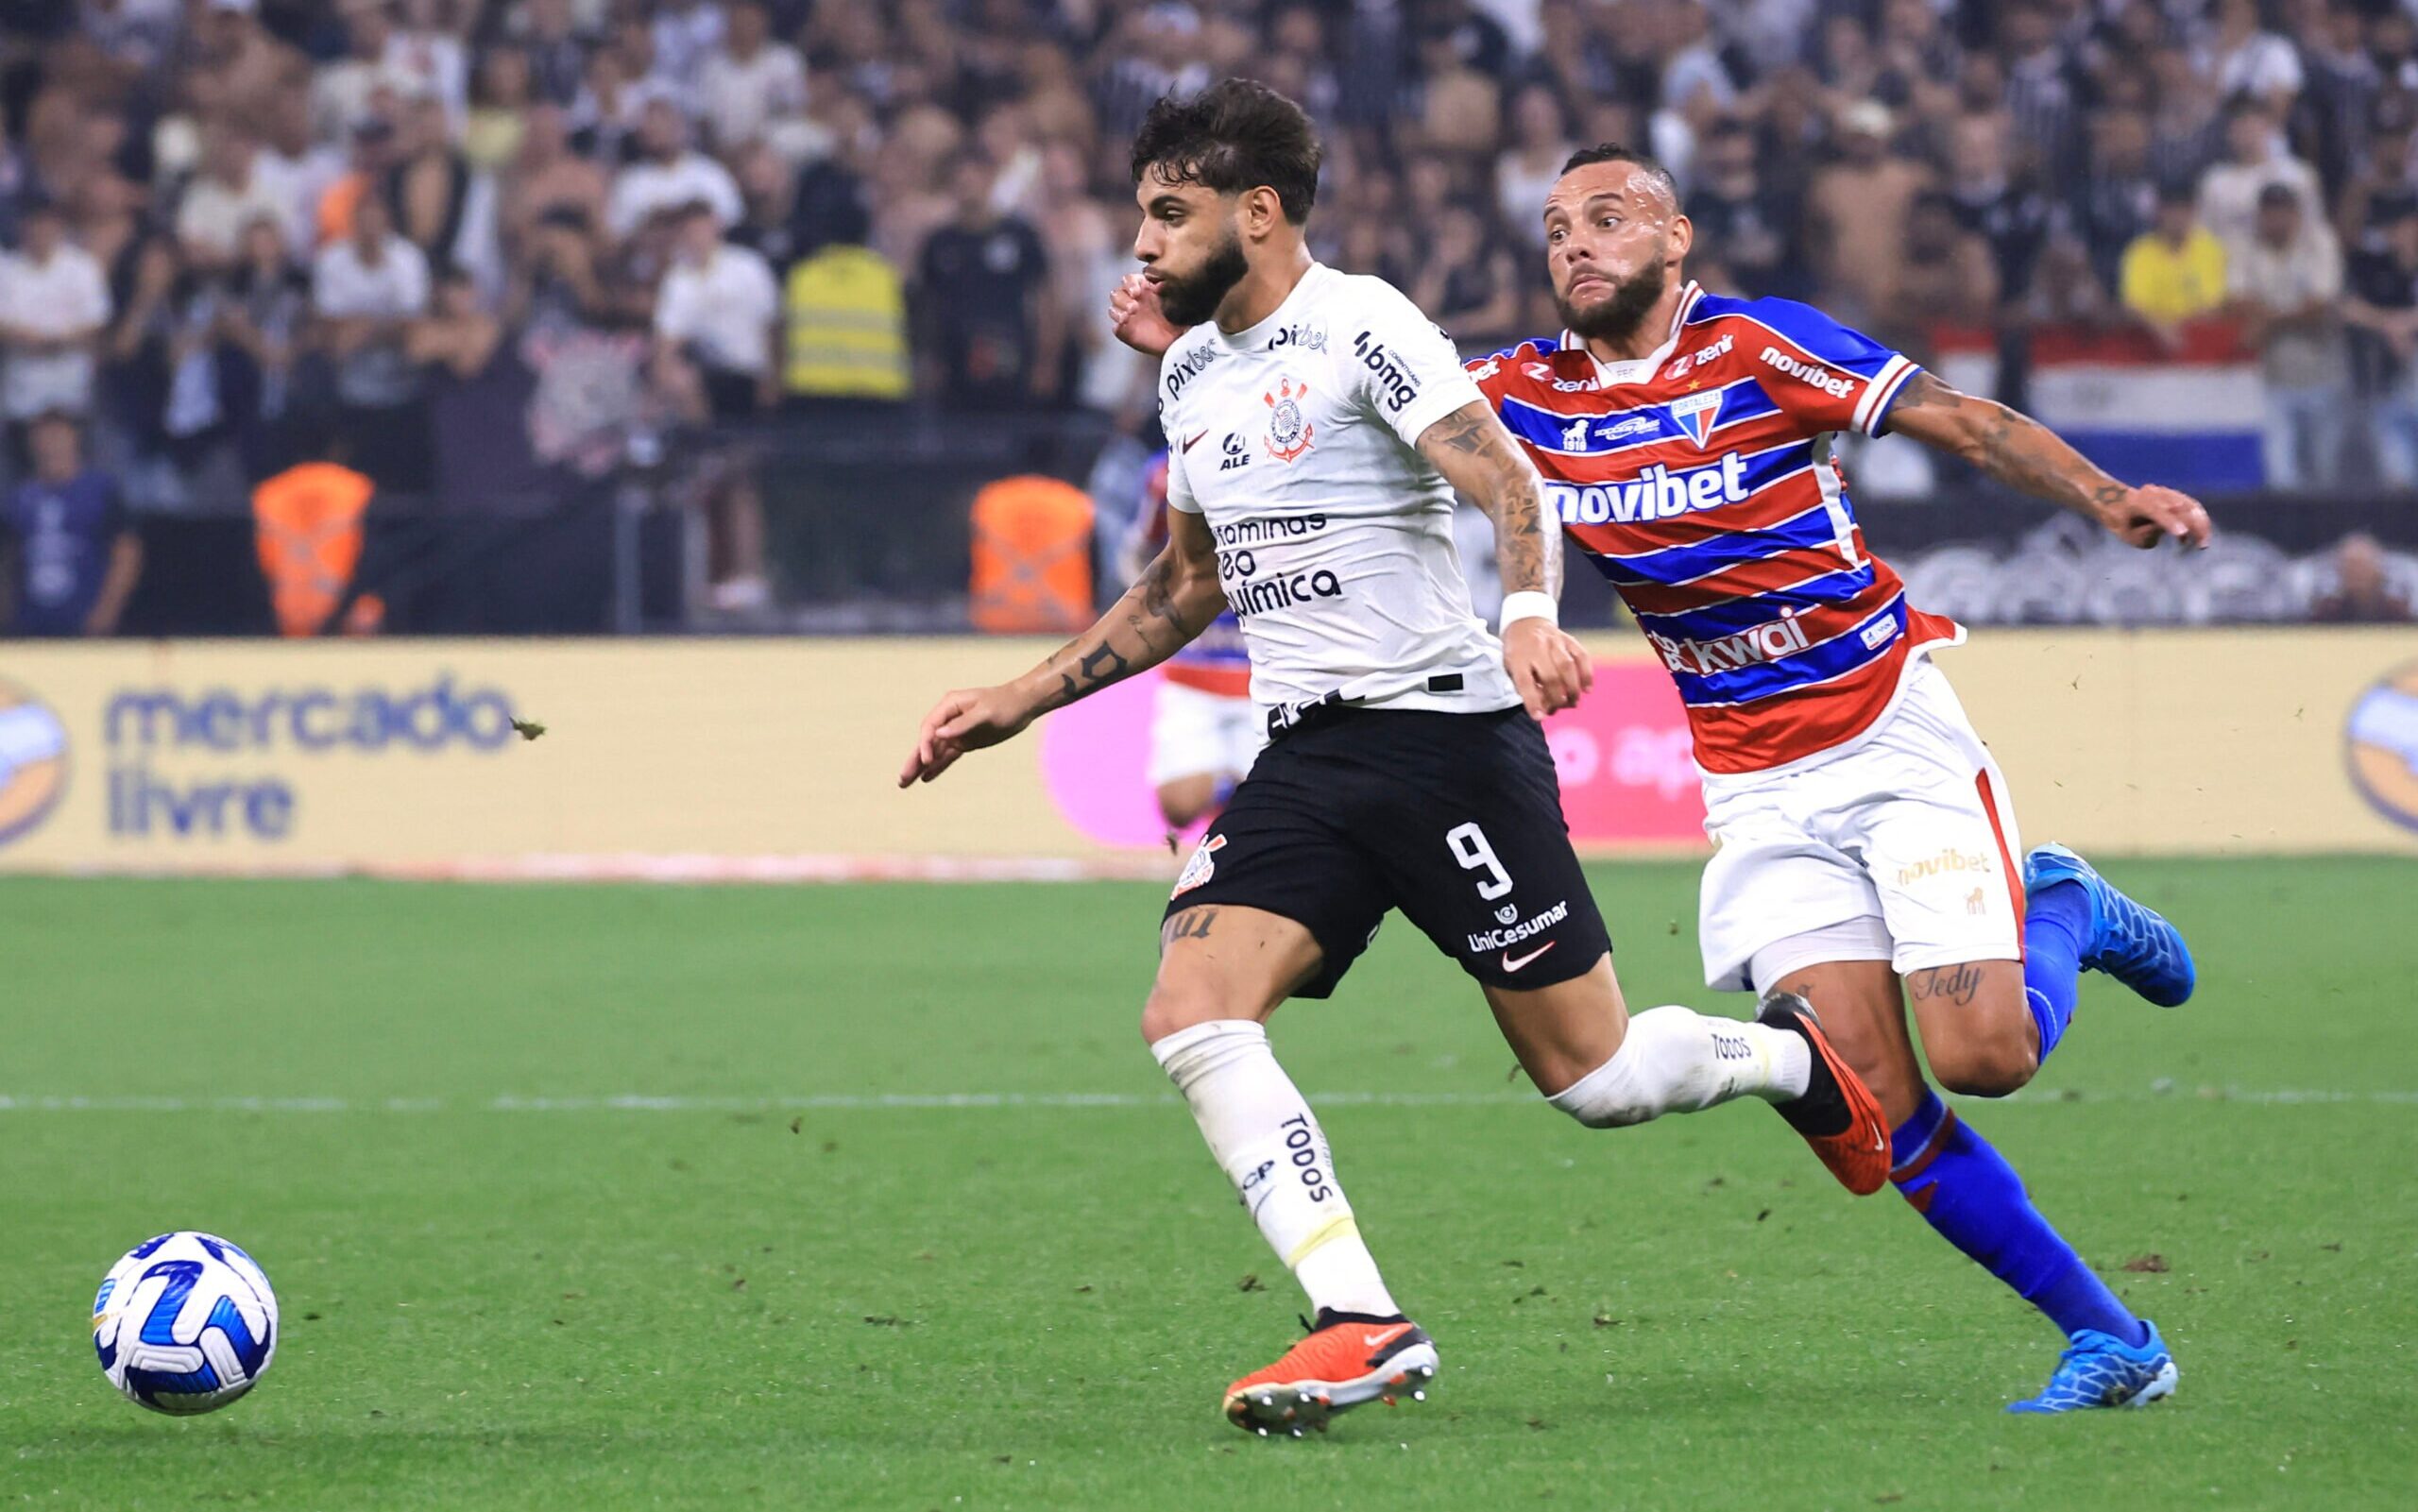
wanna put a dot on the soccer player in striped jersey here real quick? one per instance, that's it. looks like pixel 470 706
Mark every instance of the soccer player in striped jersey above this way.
pixel 1865 852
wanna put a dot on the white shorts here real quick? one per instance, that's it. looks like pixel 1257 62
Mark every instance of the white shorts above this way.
pixel 1193 732
pixel 1902 847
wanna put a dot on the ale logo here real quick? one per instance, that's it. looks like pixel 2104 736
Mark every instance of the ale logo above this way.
pixel 2380 744
pixel 33 761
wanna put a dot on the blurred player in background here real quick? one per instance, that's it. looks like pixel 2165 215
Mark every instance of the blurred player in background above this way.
pixel 1865 852
pixel 1319 425
pixel 1204 729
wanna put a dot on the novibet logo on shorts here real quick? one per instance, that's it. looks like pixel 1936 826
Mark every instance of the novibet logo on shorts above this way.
pixel 33 761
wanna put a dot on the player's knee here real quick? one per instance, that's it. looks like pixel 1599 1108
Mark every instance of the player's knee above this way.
pixel 1172 1008
pixel 1613 1096
pixel 1984 1064
pixel 1606 1111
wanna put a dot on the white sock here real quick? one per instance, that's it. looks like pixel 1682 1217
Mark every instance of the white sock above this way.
pixel 1271 1146
pixel 1677 1060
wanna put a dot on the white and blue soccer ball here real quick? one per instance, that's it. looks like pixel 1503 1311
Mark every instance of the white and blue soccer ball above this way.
pixel 185 1323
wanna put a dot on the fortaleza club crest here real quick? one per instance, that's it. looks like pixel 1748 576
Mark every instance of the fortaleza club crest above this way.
pixel 1288 429
pixel 1696 414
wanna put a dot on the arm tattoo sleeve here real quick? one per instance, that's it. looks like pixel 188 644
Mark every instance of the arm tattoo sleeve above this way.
pixel 2011 447
pixel 1478 457
pixel 1146 627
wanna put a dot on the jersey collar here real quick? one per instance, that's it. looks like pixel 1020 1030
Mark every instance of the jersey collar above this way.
pixel 1253 337
pixel 1639 369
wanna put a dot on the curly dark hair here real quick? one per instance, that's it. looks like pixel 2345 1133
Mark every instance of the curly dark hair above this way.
pixel 1234 136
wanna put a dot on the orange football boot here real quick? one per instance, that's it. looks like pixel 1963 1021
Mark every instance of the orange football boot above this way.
pixel 1348 1359
pixel 1838 1114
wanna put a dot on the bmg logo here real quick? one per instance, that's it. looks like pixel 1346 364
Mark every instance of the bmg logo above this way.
pixel 33 761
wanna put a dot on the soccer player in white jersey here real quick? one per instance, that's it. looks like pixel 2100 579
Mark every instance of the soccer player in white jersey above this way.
pixel 1866 849
pixel 1319 425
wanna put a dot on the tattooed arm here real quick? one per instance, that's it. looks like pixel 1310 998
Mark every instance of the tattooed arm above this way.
pixel 1172 601
pixel 2022 453
pixel 1478 457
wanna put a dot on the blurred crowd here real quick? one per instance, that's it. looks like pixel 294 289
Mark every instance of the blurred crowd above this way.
pixel 460 243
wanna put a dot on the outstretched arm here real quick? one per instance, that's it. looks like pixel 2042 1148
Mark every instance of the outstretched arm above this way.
pixel 1172 601
pixel 2022 453
pixel 1476 455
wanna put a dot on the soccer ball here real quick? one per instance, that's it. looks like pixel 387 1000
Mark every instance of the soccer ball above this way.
pixel 185 1323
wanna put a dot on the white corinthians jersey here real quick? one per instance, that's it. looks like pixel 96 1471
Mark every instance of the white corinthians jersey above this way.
pixel 1334 537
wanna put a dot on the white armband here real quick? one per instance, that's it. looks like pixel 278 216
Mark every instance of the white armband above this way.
pixel 1529 605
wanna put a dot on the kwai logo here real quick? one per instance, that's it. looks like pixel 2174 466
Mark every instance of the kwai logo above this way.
pixel 33 761
pixel 1779 637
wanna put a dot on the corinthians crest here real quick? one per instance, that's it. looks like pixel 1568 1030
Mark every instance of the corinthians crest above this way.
pixel 1288 429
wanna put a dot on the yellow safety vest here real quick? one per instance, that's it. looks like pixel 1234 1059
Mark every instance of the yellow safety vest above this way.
pixel 846 311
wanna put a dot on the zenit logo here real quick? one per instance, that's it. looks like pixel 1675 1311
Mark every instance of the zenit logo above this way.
pixel 33 761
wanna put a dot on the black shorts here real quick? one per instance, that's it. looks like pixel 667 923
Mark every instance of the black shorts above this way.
pixel 1455 818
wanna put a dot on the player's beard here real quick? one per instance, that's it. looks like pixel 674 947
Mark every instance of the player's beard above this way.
pixel 1618 315
pixel 1191 300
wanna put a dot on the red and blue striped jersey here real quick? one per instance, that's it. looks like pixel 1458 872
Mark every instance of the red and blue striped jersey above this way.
pixel 1699 480
pixel 1216 661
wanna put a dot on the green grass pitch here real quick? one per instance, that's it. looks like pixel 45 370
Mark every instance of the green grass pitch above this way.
pixel 791 1280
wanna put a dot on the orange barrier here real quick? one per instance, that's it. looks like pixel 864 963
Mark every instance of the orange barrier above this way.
pixel 1032 557
pixel 307 522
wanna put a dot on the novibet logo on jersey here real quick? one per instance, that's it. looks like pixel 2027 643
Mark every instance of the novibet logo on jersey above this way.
pixel 33 761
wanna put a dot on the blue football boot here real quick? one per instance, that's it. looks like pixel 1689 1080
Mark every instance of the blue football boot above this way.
pixel 2131 942
pixel 2100 1370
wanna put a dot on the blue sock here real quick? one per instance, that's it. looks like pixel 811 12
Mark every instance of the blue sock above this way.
pixel 1968 1192
pixel 2057 925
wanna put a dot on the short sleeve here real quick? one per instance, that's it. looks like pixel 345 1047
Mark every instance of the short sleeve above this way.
pixel 1826 375
pixel 1402 367
pixel 1179 486
pixel 1179 494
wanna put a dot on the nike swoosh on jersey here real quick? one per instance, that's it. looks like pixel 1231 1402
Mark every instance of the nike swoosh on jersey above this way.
pixel 1508 964
pixel 1195 441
